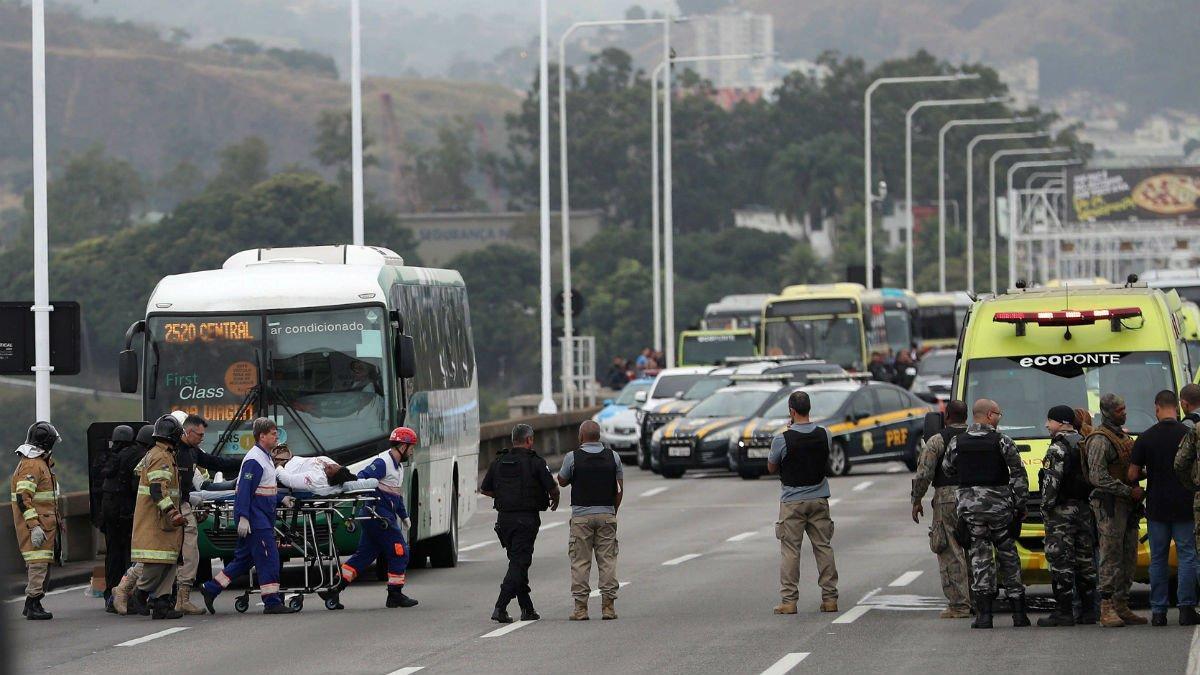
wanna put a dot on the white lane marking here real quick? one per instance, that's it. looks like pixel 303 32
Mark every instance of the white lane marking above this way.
pixel 741 537
pixel 834 501
pixel 68 589
pixel 550 525
pixel 863 485
pixel 682 559
pixel 906 578
pixel 407 671
pixel 152 636
pixel 472 547
pixel 596 592
pixel 655 491
pixel 505 630
pixel 852 615
pixel 1194 660
pixel 894 469
pixel 785 664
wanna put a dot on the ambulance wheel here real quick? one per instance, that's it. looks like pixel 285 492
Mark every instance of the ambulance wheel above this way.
pixel 241 604
pixel 296 602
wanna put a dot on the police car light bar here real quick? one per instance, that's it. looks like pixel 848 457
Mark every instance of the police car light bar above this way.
pixel 1068 317
pixel 731 360
pixel 776 377
pixel 837 377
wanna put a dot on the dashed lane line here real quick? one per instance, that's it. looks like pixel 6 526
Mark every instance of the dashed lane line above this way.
pixel 655 491
pixel 472 547
pixel 152 636
pixel 851 615
pixel 1193 667
pixel 596 591
pixel 68 589
pixel 863 485
pixel 407 671
pixel 682 559
pixel 786 664
pixel 894 469
pixel 906 578
pixel 741 537
pixel 506 629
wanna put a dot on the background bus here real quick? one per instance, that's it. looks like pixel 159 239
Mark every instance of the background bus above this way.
pixel 712 347
pixel 337 344
pixel 734 311
pixel 840 323
pixel 1185 282
pixel 940 318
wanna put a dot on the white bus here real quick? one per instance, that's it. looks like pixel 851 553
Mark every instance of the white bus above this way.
pixel 338 345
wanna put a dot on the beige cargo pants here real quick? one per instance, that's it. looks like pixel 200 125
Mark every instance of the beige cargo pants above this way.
pixel 595 534
pixel 811 517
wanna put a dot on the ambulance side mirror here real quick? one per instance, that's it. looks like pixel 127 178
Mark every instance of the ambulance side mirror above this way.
pixel 934 423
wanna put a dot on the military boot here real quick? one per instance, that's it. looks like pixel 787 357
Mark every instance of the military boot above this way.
pixel 1127 615
pixel 983 610
pixel 397 598
pixel 500 615
pixel 1062 614
pixel 121 593
pixel 1187 616
pixel 581 610
pixel 139 603
pixel 1087 603
pixel 1019 617
pixel 1108 615
pixel 528 613
pixel 161 608
pixel 34 610
pixel 184 604
pixel 607 611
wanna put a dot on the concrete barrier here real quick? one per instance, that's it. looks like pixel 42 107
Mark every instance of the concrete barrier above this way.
pixel 553 435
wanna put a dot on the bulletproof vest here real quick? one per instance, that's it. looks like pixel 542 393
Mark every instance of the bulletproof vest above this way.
pixel 1075 484
pixel 1191 419
pixel 515 485
pixel 112 482
pixel 594 481
pixel 980 462
pixel 940 479
pixel 807 458
pixel 1123 445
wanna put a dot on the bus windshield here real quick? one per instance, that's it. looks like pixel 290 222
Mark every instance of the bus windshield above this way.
pixel 891 328
pixel 324 376
pixel 1028 386
pixel 712 349
pixel 833 339
pixel 941 322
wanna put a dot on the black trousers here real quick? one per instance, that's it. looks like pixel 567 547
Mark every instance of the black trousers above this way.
pixel 517 531
pixel 118 537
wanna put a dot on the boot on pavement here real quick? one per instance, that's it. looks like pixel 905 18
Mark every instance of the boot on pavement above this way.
pixel 1108 615
pixel 183 603
pixel 983 611
pixel 139 603
pixel 397 598
pixel 1187 616
pixel 607 611
pixel 500 615
pixel 955 613
pixel 280 608
pixel 785 608
pixel 1087 603
pixel 1019 617
pixel 829 605
pixel 34 610
pixel 161 608
pixel 581 610
pixel 528 613
pixel 1127 615
pixel 121 593
pixel 1062 614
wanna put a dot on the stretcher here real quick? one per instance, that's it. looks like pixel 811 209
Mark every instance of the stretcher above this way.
pixel 304 532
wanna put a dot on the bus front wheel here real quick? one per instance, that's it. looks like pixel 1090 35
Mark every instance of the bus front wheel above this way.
pixel 443 549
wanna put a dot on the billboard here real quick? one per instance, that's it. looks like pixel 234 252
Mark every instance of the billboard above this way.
pixel 1136 193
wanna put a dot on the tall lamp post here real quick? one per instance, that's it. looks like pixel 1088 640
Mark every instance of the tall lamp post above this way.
pixel 997 156
pixel 1012 230
pixel 1014 136
pixel 546 406
pixel 867 200
pixel 356 130
pixel 41 244
pixel 908 189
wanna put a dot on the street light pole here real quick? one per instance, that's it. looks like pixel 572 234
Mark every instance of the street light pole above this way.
pixel 971 192
pixel 546 406
pixel 997 156
pixel 908 189
pixel 568 353
pixel 867 192
pixel 356 130
pixel 942 182
pixel 1012 230
pixel 41 243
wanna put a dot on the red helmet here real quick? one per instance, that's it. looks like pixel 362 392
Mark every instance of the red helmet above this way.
pixel 404 435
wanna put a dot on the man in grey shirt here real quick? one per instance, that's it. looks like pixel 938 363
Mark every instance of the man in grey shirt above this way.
pixel 597 481
pixel 801 456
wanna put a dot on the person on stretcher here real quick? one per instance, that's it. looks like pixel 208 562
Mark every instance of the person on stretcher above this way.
pixel 314 474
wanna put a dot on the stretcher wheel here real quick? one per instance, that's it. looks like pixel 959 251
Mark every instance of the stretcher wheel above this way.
pixel 332 603
pixel 384 524
pixel 351 526
pixel 296 602
pixel 241 604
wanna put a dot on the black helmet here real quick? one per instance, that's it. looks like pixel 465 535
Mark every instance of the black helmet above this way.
pixel 145 435
pixel 167 428
pixel 122 434
pixel 42 435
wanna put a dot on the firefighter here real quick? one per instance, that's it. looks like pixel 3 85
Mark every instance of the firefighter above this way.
pixel 157 522
pixel 35 513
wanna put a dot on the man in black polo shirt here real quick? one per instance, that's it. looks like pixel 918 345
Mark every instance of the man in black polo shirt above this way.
pixel 1168 510
pixel 521 485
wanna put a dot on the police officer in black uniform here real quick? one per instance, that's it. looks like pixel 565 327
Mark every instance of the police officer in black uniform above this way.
pixel 117 534
pixel 521 485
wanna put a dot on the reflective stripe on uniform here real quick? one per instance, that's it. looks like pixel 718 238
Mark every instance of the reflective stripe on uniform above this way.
pixel 26 486
pixel 30 514
pixel 395 579
pixel 159 474
pixel 46 496
pixel 348 573
pixel 269 589
pixel 268 491
pixel 166 556
pixel 38 556
pixel 165 503
pixel 145 490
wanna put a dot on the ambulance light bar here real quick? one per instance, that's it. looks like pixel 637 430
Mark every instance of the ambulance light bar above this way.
pixel 1068 317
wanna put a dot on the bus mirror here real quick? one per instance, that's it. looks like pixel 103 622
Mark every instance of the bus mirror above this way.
pixel 127 371
pixel 406 357
pixel 934 423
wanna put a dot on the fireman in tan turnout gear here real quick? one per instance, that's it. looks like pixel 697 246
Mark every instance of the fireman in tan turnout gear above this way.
pixel 157 522
pixel 35 513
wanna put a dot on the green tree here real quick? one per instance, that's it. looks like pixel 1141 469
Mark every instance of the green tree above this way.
pixel 333 145
pixel 442 172
pixel 96 195
pixel 242 166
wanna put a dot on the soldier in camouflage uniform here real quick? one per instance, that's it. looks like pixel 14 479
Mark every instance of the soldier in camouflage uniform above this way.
pixel 952 560
pixel 1068 518
pixel 1116 505
pixel 1187 468
pixel 992 491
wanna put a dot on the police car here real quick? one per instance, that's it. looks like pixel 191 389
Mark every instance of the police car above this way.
pixel 618 420
pixel 674 392
pixel 869 422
